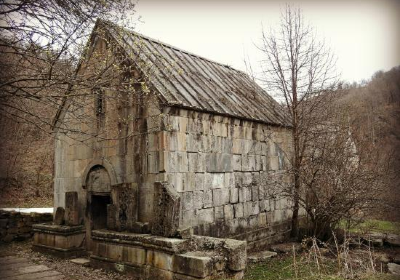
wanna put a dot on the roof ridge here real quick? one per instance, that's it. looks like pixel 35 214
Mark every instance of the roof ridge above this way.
pixel 171 46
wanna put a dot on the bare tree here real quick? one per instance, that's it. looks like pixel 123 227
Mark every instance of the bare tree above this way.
pixel 298 69
pixel 41 44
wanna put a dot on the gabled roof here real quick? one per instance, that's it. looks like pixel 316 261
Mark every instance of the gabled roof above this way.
pixel 186 80
pixel 191 81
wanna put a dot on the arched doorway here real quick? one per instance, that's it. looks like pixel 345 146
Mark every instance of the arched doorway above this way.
pixel 98 187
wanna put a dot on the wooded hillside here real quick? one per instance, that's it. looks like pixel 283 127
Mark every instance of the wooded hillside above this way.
pixel 374 115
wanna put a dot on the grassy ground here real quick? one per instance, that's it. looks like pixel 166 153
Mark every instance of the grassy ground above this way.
pixel 284 268
pixel 373 226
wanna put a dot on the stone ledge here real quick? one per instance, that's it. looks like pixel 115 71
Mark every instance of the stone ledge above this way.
pixel 58 229
pixel 174 245
pixel 199 257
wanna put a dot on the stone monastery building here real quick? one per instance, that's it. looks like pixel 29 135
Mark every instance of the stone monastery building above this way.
pixel 173 148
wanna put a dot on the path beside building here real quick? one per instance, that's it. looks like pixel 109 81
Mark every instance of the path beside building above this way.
pixel 17 268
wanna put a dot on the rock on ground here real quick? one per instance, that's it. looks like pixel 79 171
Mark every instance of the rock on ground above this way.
pixel 394 268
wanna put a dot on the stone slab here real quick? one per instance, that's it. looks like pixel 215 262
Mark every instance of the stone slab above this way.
pixel 81 261
pixel 394 268
pixel 260 256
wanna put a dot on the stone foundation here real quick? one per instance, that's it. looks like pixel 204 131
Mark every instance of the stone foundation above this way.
pixel 149 257
pixel 58 240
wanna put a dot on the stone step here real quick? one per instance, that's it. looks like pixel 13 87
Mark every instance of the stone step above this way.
pixel 81 261
pixel 260 256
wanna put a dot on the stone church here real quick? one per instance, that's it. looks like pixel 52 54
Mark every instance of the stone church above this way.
pixel 172 158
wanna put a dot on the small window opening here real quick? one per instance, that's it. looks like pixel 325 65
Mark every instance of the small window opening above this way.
pixel 99 106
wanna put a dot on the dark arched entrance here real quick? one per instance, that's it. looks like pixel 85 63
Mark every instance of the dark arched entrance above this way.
pixel 98 187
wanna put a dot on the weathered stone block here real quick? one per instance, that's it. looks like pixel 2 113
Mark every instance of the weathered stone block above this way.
pixel 234 195
pixel 237 132
pixel 111 216
pixel 238 179
pixel 71 209
pixel 251 208
pixel 216 162
pixel 220 196
pixel 219 212
pixel 262 219
pixel 182 181
pixel 193 264
pixel 264 205
pixel 214 180
pixel 237 146
pixel 187 200
pixel 182 161
pixel 194 143
pixel 198 199
pixel 247 178
pixel 166 210
pixel 153 162
pixel 206 215
pixel 229 180
pixel 273 163
pixel 244 194
pixel 228 212
pixel 199 181
pixel 188 218
pixel 125 199
pixel 237 254
pixel 261 191
pixel 253 221
pixel 254 193
pixel 183 123
pixel 159 260
pixel 208 199
pixel 193 162
pixel 258 163
pixel 238 208
pixel 237 162
pixel 59 216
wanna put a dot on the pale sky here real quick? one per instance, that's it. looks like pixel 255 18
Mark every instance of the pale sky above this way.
pixel 364 34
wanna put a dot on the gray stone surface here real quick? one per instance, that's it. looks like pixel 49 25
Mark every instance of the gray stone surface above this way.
pixel 393 239
pixel 81 261
pixel 394 268
pixel 71 209
pixel 260 256
pixel 59 216
pixel 167 210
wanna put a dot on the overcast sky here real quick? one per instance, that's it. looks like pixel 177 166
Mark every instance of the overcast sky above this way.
pixel 364 34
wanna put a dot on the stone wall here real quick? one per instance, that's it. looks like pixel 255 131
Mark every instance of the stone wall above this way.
pixel 225 171
pixel 18 226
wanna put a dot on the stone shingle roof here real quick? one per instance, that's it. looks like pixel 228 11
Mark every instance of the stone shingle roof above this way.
pixel 190 81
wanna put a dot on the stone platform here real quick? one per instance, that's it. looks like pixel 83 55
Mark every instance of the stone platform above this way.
pixel 149 257
pixel 58 240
